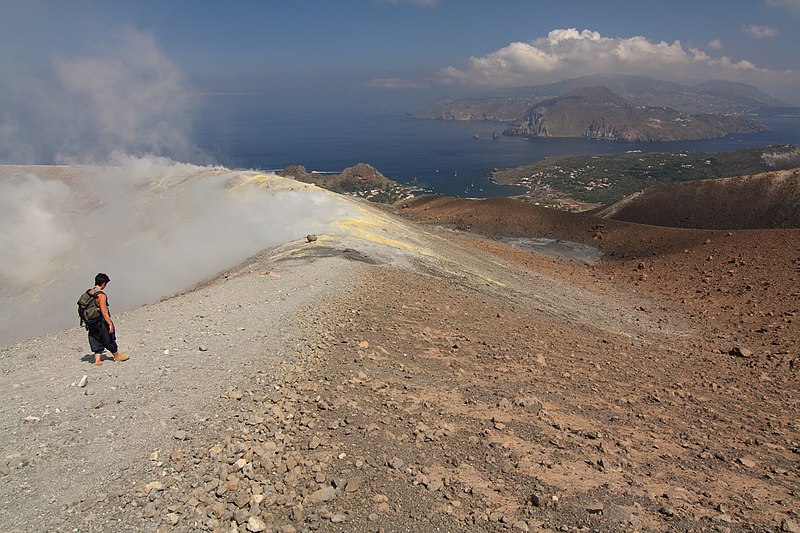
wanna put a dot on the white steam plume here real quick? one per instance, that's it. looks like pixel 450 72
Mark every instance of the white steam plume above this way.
pixel 34 229
pixel 155 226
pixel 129 97
pixel 160 228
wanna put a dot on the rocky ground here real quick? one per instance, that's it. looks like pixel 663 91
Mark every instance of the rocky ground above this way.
pixel 470 386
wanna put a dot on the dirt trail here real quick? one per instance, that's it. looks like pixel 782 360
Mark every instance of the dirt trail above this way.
pixel 426 380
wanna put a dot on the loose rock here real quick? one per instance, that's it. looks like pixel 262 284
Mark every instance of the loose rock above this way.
pixel 746 462
pixel 667 510
pixel 741 351
pixel 324 494
pixel 255 524
pixel 790 526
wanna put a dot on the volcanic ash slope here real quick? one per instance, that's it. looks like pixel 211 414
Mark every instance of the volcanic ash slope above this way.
pixel 399 376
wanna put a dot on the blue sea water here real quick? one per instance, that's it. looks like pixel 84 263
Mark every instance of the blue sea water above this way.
pixel 443 156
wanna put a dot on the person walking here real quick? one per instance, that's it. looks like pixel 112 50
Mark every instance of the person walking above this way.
pixel 102 333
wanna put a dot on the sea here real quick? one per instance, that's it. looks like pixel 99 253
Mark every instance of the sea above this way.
pixel 451 158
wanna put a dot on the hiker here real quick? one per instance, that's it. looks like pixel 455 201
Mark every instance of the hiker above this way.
pixel 102 334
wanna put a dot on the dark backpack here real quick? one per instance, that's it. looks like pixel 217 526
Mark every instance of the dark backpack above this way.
pixel 88 310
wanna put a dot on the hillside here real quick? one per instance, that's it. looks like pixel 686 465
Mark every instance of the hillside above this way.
pixel 510 104
pixel 769 200
pixel 410 370
pixel 598 113
pixel 606 178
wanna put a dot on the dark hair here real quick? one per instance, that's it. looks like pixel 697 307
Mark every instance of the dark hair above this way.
pixel 101 278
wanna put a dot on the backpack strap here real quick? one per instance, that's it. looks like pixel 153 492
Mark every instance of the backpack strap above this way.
pixel 95 295
pixel 108 304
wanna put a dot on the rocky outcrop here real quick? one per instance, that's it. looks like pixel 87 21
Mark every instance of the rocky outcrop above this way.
pixel 297 172
pixel 362 172
pixel 361 180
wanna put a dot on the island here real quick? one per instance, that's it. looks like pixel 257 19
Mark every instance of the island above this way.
pixel 617 107
pixel 598 113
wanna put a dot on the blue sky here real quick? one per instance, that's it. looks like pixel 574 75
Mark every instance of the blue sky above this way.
pixel 406 45
pixel 81 79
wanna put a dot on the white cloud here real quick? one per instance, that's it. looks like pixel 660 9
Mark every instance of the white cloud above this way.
pixel 760 32
pixel 716 44
pixel 567 53
pixel 133 93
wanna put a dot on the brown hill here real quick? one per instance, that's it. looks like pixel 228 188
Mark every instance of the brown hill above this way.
pixel 407 378
pixel 768 200
pixel 742 284
pixel 352 179
pixel 736 276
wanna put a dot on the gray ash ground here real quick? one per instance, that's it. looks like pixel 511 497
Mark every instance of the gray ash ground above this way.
pixel 482 388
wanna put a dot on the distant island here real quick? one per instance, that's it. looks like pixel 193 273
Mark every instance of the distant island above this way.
pixel 619 107
pixel 598 113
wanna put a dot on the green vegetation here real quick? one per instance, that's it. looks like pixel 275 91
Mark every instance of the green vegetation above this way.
pixel 604 179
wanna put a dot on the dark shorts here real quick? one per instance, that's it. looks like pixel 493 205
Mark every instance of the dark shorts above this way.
pixel 100 338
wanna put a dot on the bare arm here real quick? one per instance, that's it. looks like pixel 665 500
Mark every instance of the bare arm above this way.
pixel 102 303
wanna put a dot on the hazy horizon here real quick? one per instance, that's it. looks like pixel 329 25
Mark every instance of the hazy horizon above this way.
pixel 82 81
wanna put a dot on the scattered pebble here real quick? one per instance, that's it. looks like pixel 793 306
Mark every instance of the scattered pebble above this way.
pixel 667 510
pixel 256 524
pixel 746 462
pixel 790 526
